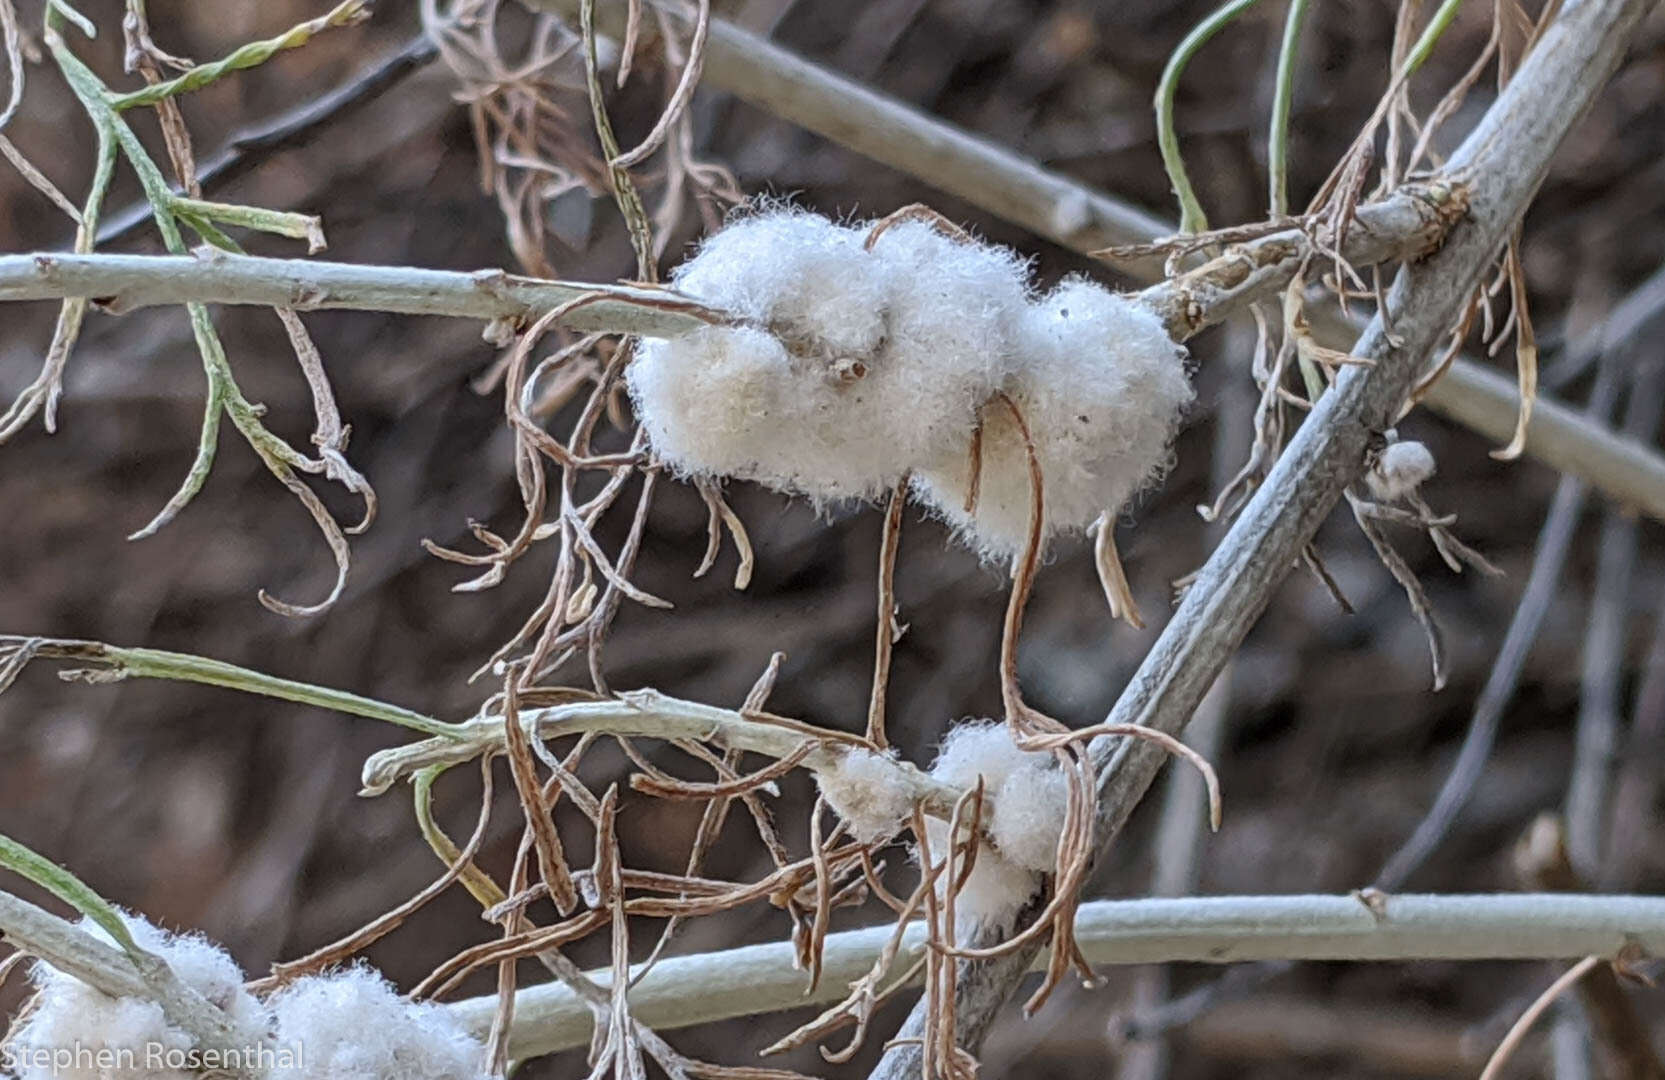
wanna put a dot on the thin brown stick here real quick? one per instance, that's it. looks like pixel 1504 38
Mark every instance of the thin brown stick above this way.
pixel 884 637
pixel 1517 1033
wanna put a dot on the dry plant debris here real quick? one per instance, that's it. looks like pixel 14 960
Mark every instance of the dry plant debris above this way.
pixel 895 359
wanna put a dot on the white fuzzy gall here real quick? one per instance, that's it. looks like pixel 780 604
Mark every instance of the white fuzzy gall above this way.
pixel 1400 469
pixel 850 367
pixel 352 1024
pixel 954 314
pixel 1101 388
pixel 1029 813
pixel 999 886
pixel 861 788
pixel 130 1037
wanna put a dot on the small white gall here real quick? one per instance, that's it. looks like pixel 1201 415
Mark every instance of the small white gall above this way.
pixel 977 748
pixel 351 1024
pixel 849 366
pixel 861 788
pixel 1101 388
pixel 1029 813
pixel 995 890
pixel 1400 469
pixel 130 1036
pixel 998 885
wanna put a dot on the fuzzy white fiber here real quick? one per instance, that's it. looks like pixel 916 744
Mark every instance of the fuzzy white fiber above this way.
pixel 347 1025
pixel 1029 813
pixel 1101 389
pixel 129 1032
pixel 861 788
pixel 1401 468
pixel 352 1024
pixel 853 367
pixel 998 886
pixel 978 748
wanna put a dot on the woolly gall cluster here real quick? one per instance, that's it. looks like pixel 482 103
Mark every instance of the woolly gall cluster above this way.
pixel 863 355
pixel 1028 792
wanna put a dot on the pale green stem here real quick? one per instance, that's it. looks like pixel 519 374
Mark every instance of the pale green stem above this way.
pixel 1424 46
pixel 624 188
pixel 224 395
pixel 250 55
pixel 115 663
pixel 1277 139
pixel 279 222
pixel 478 883
pixel 1191 216
pixel 70 889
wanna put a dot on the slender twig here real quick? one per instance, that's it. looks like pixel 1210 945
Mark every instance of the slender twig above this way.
pixel 112 663
pixel 884 636
pixel 121 283
pixel 1542 862
pixel 1409 223
pixel 1277 137
pixel 246 150
pixel 1191 216
pixel 651 714
pixel 1625 469
pixel 1517 1033
pixel 756 979
pixel 253 54
pixel 1076 216
pixel 1601 688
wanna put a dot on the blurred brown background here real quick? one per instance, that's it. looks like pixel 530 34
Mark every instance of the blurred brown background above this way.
pixel 238 815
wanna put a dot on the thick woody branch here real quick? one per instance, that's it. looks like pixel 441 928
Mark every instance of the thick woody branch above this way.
pixel 757 979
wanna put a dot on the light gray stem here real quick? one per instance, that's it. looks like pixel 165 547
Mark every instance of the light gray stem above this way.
pixel 758 979
pixel 124 282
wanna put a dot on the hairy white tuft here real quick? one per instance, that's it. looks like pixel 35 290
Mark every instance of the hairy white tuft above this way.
pixel 976 748
pixel 70 1014
pixel 1400 469
pixel 1029 813
pixel 998 886
pixel 861 788
pixel 995 891
pixel 794 273
pixel 852 366
pixel 1101 390
pixel 352 1025
pixel 953 321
